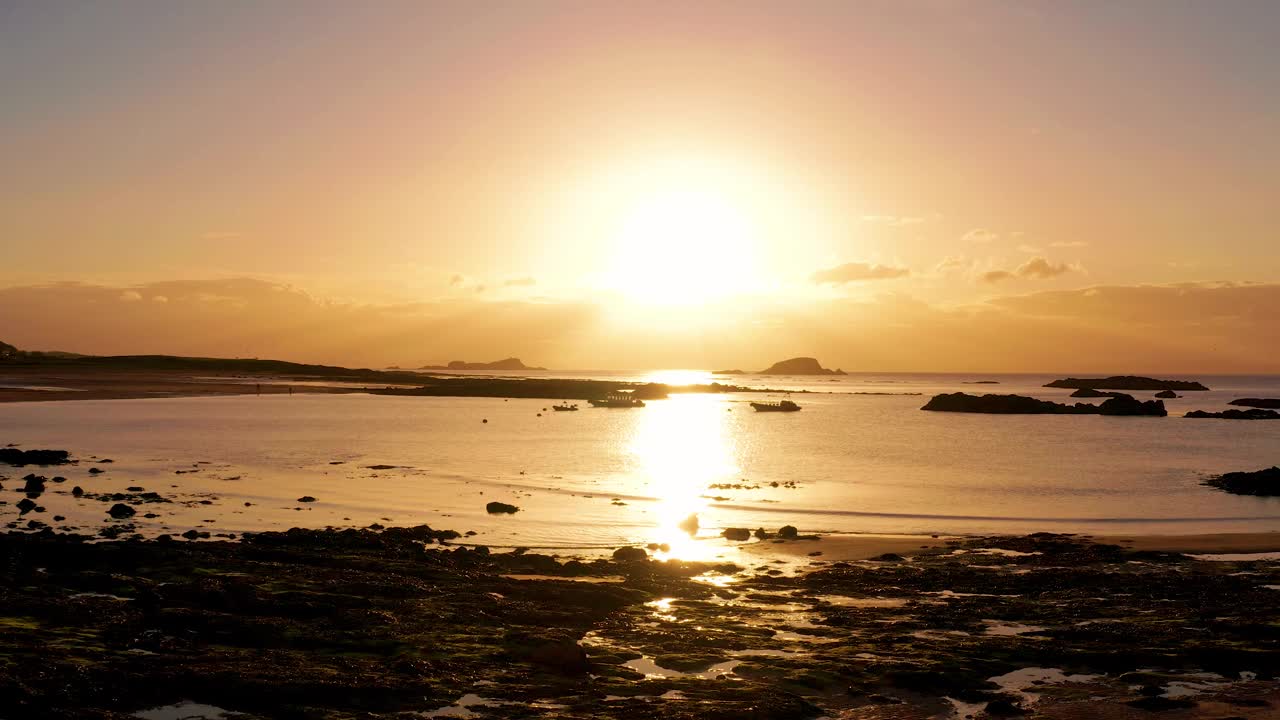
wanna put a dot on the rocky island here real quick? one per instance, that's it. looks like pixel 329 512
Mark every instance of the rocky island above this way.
pixel 1264 482
pixel 1250 414
pixel 1126 382
pixel 1119 404
pixel 800 366
pixel 508 364
pixel 1270 403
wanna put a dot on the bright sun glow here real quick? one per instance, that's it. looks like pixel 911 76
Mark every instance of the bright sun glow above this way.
pixel 688 238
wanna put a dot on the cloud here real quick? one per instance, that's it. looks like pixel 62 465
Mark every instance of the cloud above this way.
pixel 130 296
pixel 1035 268
pixel 1188 328
pixel 980 236
pixel 893 220
pixel 457 279
pixel 1069 244
pixel 520 282
pixel 858 272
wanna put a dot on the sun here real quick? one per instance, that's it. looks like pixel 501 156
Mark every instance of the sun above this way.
pixel 690 242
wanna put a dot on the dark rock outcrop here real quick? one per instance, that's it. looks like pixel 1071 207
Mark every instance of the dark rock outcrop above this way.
pixel 306 499
pixel 21 458
pixel 120 510
pixel 1271 403
pixel 788 532
pixel 738 534
pixel 1250 414
pixel 799 366
pixel 1119 404
pixel 630 554
pixel 1167 395
pixel 496 507
pixel 1126 382
pixel 1259 482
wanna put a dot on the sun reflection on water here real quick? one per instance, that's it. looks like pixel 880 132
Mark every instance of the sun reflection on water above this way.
pixel 682 445
pixel 679 377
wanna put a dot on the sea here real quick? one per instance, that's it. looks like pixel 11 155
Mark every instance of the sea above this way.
pixel 860 457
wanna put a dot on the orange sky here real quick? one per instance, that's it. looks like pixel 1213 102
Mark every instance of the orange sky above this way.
pixel 888 185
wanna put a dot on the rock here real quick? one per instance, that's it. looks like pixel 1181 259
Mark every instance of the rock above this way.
pixel 21 458
pixel 1270 403
pixel 59 479
pixel 35 484
pixel 306 499
pixel 888 557
pixel 25 505
pixel 120 510
pixel 788 532
pixel 1126 382
pixel 95 471
pixel 191 534
pixel 1264 483
pixel 1167 394
pixel 762 534
pixel 738 534
pixel 77 491
pixel 496 507
pixel 799 366
pixel 1250 414
pixel 1117 404
pixel 1004 708
pixel 1127 405
pixel 135 488
pixel 630 554
pixel 689 524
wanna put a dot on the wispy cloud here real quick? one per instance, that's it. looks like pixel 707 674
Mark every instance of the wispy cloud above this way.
pixel 893 220
pixel 980 236
pixel 520 282
pixel 858 272
pixel 1036 268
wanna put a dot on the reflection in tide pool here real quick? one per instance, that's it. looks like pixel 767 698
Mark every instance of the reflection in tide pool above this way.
pixel 681 446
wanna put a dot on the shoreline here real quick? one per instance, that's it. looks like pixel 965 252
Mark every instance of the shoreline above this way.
pixel 319 623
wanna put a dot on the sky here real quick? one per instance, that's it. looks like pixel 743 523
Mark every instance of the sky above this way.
pixel 887 185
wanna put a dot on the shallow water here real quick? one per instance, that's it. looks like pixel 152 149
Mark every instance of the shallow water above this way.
pixel 600 478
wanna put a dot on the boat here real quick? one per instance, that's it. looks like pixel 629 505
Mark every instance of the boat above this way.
pixel 565 407
pixel 617 400
pixel 781 406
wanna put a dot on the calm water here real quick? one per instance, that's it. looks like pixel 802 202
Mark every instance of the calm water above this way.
pixel 860 462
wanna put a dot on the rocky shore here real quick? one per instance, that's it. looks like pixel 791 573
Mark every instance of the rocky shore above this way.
pixel 392 624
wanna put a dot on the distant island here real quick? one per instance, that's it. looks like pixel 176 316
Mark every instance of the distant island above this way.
pixel 728 372
pixel 1119 404
pixel 799 366
pixel 1125 382
pixel 1272 403
pixel 507 364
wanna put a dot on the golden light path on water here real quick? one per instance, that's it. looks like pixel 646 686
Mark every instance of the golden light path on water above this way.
pixel 681 446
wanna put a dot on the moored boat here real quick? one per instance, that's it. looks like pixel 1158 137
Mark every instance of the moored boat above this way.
pixel 781 406
pixel 565 407
pixel 617 400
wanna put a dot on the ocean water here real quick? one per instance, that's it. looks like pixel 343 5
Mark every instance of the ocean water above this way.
pixel 849 461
